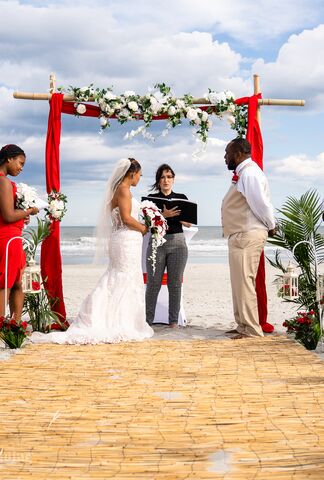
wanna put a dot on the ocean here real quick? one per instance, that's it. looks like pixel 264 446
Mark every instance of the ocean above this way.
pixel 207 246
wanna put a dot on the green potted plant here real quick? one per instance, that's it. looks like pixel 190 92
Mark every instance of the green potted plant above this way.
pixel 37 305
pixel 300 223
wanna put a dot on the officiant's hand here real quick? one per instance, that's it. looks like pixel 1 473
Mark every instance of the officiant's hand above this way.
pixel 173 212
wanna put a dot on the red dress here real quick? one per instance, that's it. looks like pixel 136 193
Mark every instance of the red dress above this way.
pixel 16 255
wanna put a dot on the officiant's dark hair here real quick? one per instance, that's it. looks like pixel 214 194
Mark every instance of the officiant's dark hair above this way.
pixel 241 145
pixel 10 151
pixel 158 175
pixel 135 167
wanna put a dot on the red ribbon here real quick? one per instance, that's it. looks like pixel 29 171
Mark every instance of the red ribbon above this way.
pixel 254 136
pixel 51 261
pixel 164 280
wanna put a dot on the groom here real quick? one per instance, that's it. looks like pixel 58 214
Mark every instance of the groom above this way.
pixel 247 220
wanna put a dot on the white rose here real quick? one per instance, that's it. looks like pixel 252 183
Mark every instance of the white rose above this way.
pixel 81 109
pixel 172 110
pixel 155 105
pixel 229 94
pixel 129 93
pixel 231 108
pixel 204 116
pixel 60 204
pixel 124 113
pixel 180 103
pixel 109 95
pixel 191 114
pixel 132 106
pixel 103 121
pixel 56 214
pixel 197 121
pixel 215 97
pixel 221 97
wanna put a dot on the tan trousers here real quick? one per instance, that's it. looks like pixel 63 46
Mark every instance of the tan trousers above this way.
pixel 244 257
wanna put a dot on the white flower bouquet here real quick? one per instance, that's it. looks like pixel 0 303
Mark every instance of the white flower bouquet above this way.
pixel 56 206
pixel 157 224
pixel 26 196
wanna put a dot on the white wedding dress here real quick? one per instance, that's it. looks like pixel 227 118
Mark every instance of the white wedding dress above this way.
pixel 114 311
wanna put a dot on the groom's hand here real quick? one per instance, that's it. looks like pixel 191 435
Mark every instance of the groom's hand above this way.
pixel 272 232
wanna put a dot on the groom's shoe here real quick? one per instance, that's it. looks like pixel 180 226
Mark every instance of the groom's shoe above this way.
pixel 232 332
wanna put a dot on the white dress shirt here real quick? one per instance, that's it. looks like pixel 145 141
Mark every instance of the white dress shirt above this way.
pixel 252 183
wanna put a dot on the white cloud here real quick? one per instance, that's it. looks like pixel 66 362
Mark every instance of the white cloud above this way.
pixel 300 167
pixel 298 71
pixel 248 22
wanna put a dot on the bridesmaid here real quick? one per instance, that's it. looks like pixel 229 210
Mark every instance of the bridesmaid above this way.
pixel 12 161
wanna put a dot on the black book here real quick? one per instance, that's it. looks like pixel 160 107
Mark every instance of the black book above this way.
pixel 188 209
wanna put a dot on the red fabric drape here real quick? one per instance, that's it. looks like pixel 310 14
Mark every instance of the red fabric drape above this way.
pixel 254 136
pixel 51 260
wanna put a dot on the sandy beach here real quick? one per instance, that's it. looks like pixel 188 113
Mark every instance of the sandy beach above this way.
pixel 206 298
pixel 206 294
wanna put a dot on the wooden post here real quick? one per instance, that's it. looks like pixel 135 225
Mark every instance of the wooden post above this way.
pixel 52 88
pixel 256 86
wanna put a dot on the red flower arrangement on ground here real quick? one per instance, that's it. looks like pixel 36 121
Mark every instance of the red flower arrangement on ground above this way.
pixel 306 328
pixel 13 332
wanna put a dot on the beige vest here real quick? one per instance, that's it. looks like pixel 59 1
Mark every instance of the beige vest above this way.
pixel 237 215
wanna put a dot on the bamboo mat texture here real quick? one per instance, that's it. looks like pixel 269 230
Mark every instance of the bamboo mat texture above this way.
pixel 235 410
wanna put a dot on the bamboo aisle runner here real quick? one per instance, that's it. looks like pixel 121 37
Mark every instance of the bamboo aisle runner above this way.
pixel 250 409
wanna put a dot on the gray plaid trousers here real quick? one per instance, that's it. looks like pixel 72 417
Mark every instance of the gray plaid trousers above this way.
pixel 172 256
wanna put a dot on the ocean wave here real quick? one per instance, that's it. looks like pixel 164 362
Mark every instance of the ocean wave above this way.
pixel 86 246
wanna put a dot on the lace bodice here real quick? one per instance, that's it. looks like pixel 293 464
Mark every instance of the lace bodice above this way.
pixel 117 223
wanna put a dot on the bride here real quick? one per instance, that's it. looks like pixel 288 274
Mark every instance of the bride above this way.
pixel 114 311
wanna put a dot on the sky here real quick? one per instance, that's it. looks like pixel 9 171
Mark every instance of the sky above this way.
pixel 189 45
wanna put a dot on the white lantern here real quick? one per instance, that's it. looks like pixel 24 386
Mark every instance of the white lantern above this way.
pixel 31 279
pixel 320 288
pixel 288 284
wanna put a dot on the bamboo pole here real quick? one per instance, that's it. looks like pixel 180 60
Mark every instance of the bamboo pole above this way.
pixel 197 101
pixel 52 88
pixel 256 87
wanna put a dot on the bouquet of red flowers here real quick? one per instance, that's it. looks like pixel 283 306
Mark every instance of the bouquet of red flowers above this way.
pixel 13 332
pixel 306 328
pixel 157 224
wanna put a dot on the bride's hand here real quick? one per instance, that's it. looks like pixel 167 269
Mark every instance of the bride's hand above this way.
pixel 144 230
pixel 173 212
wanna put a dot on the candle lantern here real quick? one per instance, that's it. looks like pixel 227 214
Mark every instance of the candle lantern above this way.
pixel 31 279
pixel 288 284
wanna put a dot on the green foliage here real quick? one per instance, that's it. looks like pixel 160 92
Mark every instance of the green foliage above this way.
pixel 36 236
pixel 300 221
pixel 38 308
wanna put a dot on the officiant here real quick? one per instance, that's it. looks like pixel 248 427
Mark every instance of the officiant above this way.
pixel 172 255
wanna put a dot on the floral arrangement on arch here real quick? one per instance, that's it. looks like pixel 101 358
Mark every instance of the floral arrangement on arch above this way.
pixel 56 206
pixel 156 224
pixel 161 101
